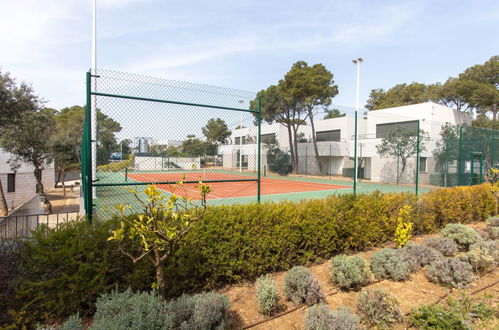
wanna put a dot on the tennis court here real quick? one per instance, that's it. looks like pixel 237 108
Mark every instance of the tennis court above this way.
pixel 236 188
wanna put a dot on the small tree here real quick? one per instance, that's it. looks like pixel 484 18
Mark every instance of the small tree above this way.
pixel 447 149
pixel 216 131
pixel 401 144
pixel 160 229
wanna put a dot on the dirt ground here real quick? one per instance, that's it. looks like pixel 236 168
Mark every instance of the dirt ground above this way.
pixel 414 292
pixel 64 203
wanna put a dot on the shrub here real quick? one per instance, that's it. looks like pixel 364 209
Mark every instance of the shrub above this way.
pixel 451 272
pixel 423 255
pixel 129 310
pixel 403 232
pixel 268 297
pixel 463 235
pixel 10 271
pixel 444 245
pixel 378 308
pixel 300 286
pixel 391 264
pixel 200 311
pixel 456 314
pixel 483 256
pixel 350 272
pixel 321 317
pixel 492 228
pixel 492 221
pixel 74 322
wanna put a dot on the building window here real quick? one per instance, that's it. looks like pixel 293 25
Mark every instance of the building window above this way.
pixel 404 127
pixel 422 164
pixel 333 135
pixel 268 138
pixel 11 182
pixel 244 140
pixel 237 140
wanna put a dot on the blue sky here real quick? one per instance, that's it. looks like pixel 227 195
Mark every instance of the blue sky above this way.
pixel 245 44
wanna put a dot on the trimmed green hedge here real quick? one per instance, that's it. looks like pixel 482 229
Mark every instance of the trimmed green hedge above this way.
pixel 66 271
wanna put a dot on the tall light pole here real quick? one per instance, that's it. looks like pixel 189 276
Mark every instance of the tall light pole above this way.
pixel 93 106
pixel 357 62
pixel 241 139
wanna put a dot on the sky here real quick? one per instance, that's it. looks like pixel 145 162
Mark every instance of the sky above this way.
pixel 245 44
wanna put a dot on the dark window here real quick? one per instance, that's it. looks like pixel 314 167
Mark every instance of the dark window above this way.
pixel 384 130
pixel 268 138
pixel 333 135
pixel 237 140
pixel 244 140
pixel 422 164
pixel 11 182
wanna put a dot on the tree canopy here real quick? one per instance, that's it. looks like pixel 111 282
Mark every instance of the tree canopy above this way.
pixel 333 113
pixel 216 131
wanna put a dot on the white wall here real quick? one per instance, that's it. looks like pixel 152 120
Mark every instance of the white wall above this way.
pixel 146 163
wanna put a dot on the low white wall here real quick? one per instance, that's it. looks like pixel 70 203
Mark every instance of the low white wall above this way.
pixel 142 163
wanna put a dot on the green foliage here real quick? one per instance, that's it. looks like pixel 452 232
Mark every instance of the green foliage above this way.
pixel 378 308
pixel 216 131
pixel 446 150
pixel 321 317
pixel 160 228
pixel 194 147
pixel 267 294
pixel 73 322
pixel 334 113
pixel 401 94
pixel 300 286
pixel 65 270
pixel 403 232
pixel 444 245
pixel 10 272
pixel 391 264
pixel 456 314
pixel 493 227
pixel 450 271
pixel 129 310
pixel 483 256
pixel 116 167
pixel 463 235
pixel 350 272
pixel 208 310
pixel 423 255
pixel 278 161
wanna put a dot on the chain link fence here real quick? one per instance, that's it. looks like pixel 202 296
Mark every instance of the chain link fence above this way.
pixel 151 130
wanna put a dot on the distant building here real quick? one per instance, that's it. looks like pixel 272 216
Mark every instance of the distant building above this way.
pixel 19 186
pixel 335 142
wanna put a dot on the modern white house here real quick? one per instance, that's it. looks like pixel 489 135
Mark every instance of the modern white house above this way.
pixel 335 142
pixel 19 187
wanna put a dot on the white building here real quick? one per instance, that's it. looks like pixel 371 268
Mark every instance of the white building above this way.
pixel 335 142
pixel 19 186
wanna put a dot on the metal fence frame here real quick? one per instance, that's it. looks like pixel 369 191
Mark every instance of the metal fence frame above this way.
pixel 88 183
pixel 22 225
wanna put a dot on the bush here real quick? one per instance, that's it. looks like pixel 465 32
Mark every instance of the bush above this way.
pixel 268 297
pixel 10 272
pixel 200 311
pixel 67 269
pixel 463 235
pixel 483 256
pixel 456 314
pixel 392 264
pixel 128 310
pixel 321 317
pixel 300 286
pixel 444 245
pixel 74 322
pixel 378 308
pixel 423 255
pixel 350 272
pixel 451 272
pixel 492 228
pixel 229 244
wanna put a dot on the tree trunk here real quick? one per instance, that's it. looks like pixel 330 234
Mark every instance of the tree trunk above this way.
pixel 494 112
pixel 4 209
pixel 317 158
pixel 63 175
pixel 291 148
pixel 39 185
pixel 58 177
pixel 160 272
pixel 295 142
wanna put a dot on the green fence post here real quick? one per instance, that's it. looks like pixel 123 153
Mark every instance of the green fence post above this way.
pixel 460 159
pixel 259 146
pixel 417 158
pixel 355 158
pixel 88 202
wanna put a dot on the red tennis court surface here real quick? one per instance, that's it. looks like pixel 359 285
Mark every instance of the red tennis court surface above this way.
pixel 269 186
